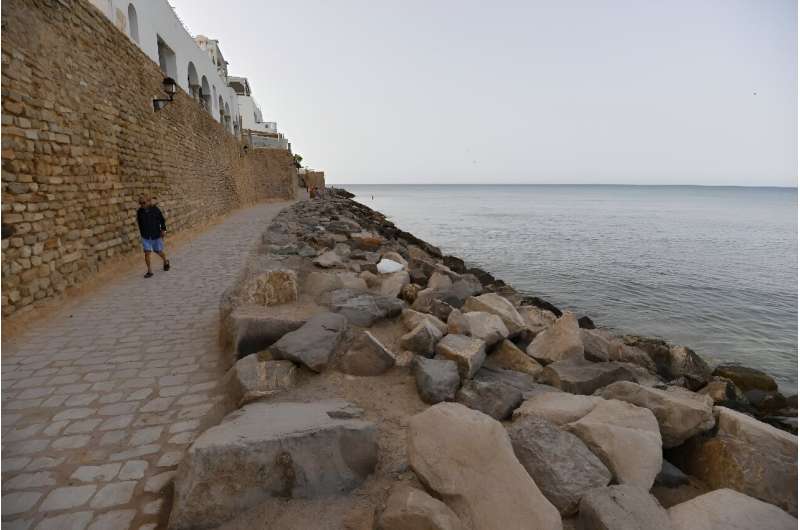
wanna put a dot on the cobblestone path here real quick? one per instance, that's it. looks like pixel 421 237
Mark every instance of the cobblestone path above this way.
pixel 100 400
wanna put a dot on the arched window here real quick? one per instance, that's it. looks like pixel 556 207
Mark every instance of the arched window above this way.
pixel 194 83
pixel 133 23
pixel 205 94
pixel 228 118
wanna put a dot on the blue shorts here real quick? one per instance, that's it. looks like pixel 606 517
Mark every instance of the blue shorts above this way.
pixel 153 245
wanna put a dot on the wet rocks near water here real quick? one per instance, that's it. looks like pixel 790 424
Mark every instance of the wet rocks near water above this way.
pixel 272 450
pixel 559 342
pixel 746 378
pixel 437 380
pixel 579 376
pixel 485 326
pixel 746 455
pixel 674 362
pixel 681 414
pixel 313 343
pixel 497 305
pixel 558 461
pixel 466 458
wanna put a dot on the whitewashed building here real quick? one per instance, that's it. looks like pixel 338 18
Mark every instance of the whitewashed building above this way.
pixel 260 133
pixel 196 63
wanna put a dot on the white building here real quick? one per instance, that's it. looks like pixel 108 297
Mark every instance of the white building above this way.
pixel 260 133
pixel 201 72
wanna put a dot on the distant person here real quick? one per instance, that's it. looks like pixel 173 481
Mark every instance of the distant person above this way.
pixel 152 228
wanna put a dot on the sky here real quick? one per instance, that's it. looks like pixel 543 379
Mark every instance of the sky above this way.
pixel 550 91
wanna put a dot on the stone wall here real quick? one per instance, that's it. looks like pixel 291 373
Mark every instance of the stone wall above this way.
pixel 80 141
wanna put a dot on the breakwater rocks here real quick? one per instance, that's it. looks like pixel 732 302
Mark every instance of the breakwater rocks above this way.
pixel 375 383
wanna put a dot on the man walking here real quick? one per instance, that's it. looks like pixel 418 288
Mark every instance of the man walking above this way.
pixel 152 228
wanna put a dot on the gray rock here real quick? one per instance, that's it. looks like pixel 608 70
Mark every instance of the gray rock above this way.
pixel 726 509
pixel 364 309
pixel 392 284
pixel 251 379
pixel 580 376
pixel 367 357
pixel 422 339
pixel 559 408
pixel 496 399
pixel 437 380
pixel 263 450
pixel 320 282
pixel 523 382
pixel 622 507
pixel 481 325
pixel 497 305
pixel 250 329
pixel 328 260
pixel 559 342
pixel 313 343
pixel 558 461
pixel 411 319
pixel 681 413
pixel 670 476
pixel 467 352
pixel 673 362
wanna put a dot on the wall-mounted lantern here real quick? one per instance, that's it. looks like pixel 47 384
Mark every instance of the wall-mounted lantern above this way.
pixel 170 87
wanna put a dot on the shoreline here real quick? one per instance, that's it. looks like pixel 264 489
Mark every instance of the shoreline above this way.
pixel 700 302
pixel 452 384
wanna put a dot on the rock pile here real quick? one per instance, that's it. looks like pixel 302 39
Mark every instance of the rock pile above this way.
pixel 504 411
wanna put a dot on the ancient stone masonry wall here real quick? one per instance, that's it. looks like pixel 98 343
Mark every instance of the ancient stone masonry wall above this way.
pixel 80 141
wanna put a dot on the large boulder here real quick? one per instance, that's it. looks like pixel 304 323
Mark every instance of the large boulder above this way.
pixel 271 288
pixel 466 458
pixel 329 260
pixel 626 438
pixel 560 341
pixel 506 356
pixel 580 376
pixel 523 382
pixel 422 339
pixel 312 343
pixel 263 450
pixel 364 309
pixel 681 413
pixel 673 362
pixel 726 509
pixel 485 326
pixel 496 399
pixel 746 378
pixel 746 455
pixel 251 379
pixel 411 319
pixel 559 408
pixel 536 319
pixel 250 329
pixel 622 507
pixel 367 356
pixel 437 380
pixel 412 509
pixel 320 282
pixel 558 461
pixel 497 305
pixel 392 284
pixel 600 345
pixel 467 352
pixel 439 280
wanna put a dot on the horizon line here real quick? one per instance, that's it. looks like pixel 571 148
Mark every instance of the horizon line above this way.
pixel 562 184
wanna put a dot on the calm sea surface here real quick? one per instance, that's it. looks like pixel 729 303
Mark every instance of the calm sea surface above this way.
pixel 713 268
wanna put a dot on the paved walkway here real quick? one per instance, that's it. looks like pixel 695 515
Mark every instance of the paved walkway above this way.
pixel 100 401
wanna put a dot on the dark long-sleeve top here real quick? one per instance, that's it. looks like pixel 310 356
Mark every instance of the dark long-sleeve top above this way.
pixel 151 222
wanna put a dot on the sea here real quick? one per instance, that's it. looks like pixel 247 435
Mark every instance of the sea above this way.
pixel 711 268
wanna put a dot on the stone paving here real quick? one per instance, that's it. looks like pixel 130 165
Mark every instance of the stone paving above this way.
pixel 100 400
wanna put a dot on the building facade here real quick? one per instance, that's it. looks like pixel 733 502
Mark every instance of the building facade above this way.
pixel 196 64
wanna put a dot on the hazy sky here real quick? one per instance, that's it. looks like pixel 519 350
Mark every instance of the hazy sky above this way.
pixel 583 91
